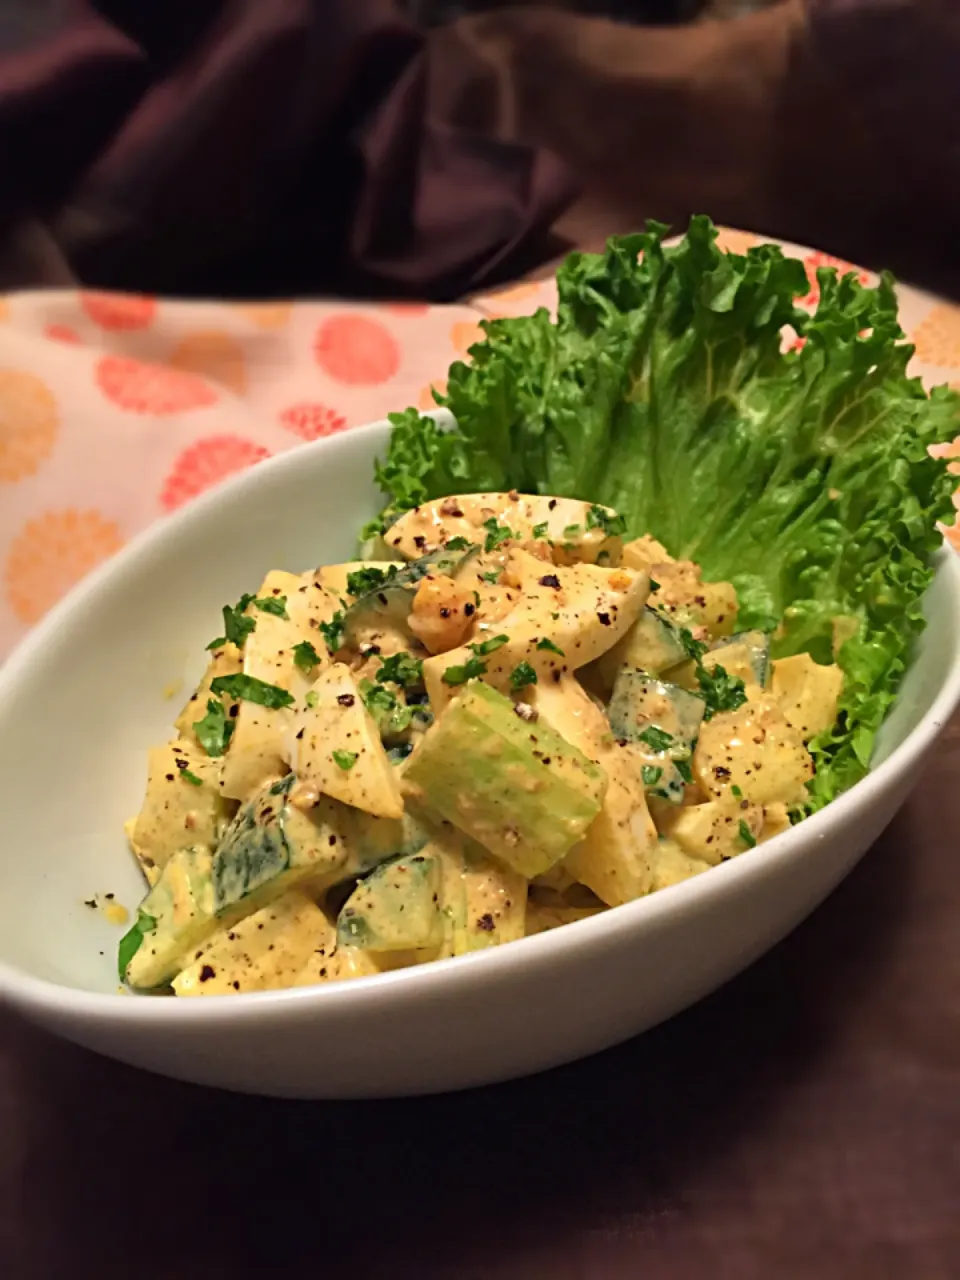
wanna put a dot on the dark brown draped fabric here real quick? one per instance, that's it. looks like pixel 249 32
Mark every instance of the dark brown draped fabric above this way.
pixel 252 146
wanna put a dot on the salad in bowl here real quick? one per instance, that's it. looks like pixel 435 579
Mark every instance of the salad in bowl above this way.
pixel 638 608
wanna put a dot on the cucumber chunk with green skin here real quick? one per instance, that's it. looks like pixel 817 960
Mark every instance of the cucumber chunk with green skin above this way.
pixel 388 606
pixel 270 846
pixel 517 788
pixel 396 908
pixel 494 903
pixel 746 654
pixel 664 720
pixel 373 840
pixel 652 644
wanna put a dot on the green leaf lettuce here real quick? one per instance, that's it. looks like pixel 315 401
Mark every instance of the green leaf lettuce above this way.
pixel 662 390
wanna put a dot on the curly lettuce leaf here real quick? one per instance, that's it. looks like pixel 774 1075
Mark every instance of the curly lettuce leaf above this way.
pixel 662 390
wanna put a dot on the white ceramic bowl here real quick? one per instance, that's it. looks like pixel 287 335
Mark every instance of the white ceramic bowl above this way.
pixel 85 696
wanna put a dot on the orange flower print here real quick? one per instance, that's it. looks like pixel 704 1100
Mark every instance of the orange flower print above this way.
pixel 425 399
pixel 61 333
pixel 813 261
pixel 205 464
pixel 213 355
pixel 29 423
pixel 356 350
pixel 265 315
pixel 310 421
pixel 140 387
pixel 516 300
pixel 118 312
pixel 463 335
pixel 51 553
pixel 733 241
pixel 937 338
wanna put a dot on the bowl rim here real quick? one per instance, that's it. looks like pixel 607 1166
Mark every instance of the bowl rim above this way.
pixel 38 996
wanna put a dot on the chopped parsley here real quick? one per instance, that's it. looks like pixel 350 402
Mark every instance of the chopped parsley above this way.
pixel 459 543
pixel 540 530
pixel 694 649
pixel 651 774
pixel 610 522
pixel 132 940
pixel 215 729
pixel 684 770
pixel 719 690
pixel 654 585
pixel 746 835
pixel 401 668
pixel 571 530
pixel 496 534
pixel 305 655
pixel 460 674
pixel 483 647
pixel 236 625
pixel 656 739
pixel 363 581
pixel 311 698
pixel 250 689
pixel 736 792
pixel 277 605
pixel 492 576
pixel 345 759
pixel 192 778
pixel 392 715
pixel 549 646
pixel 332 631
pixel 522 675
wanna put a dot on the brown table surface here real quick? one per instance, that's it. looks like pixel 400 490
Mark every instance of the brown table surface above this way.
pixel 802 1122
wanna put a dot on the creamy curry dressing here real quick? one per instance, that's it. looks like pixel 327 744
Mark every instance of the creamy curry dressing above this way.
pixel 499 726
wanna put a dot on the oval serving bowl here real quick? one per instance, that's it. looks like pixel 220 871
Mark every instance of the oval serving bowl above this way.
pixel 98 682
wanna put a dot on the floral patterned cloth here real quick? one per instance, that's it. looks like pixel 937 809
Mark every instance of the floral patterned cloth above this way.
pixel 115 410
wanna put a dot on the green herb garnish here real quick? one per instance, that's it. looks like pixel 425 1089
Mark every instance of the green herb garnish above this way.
pixel 545 643
pixel 540 530
pixel 332 631
pixel 746 835
pixel 651 775
pixel 391 713
pixel 345 759
pixel 694 649
pixel 610 522
pixel 719 690
pixel 736 792
pixel 362 581
pixel 571 530
pixel 215 730
pixel 492 576
pixel 522 675
pixel 249 689
pixel 401 668
pixel 305 656
pixel 277 605
pixel 683 768
pixel 459 543
pixel 483 647
pixel 311 698
pixel 496 534
pixel 192 778
pixel 460 674
pixel 132 941
pixel 236 625
pixel 656 739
